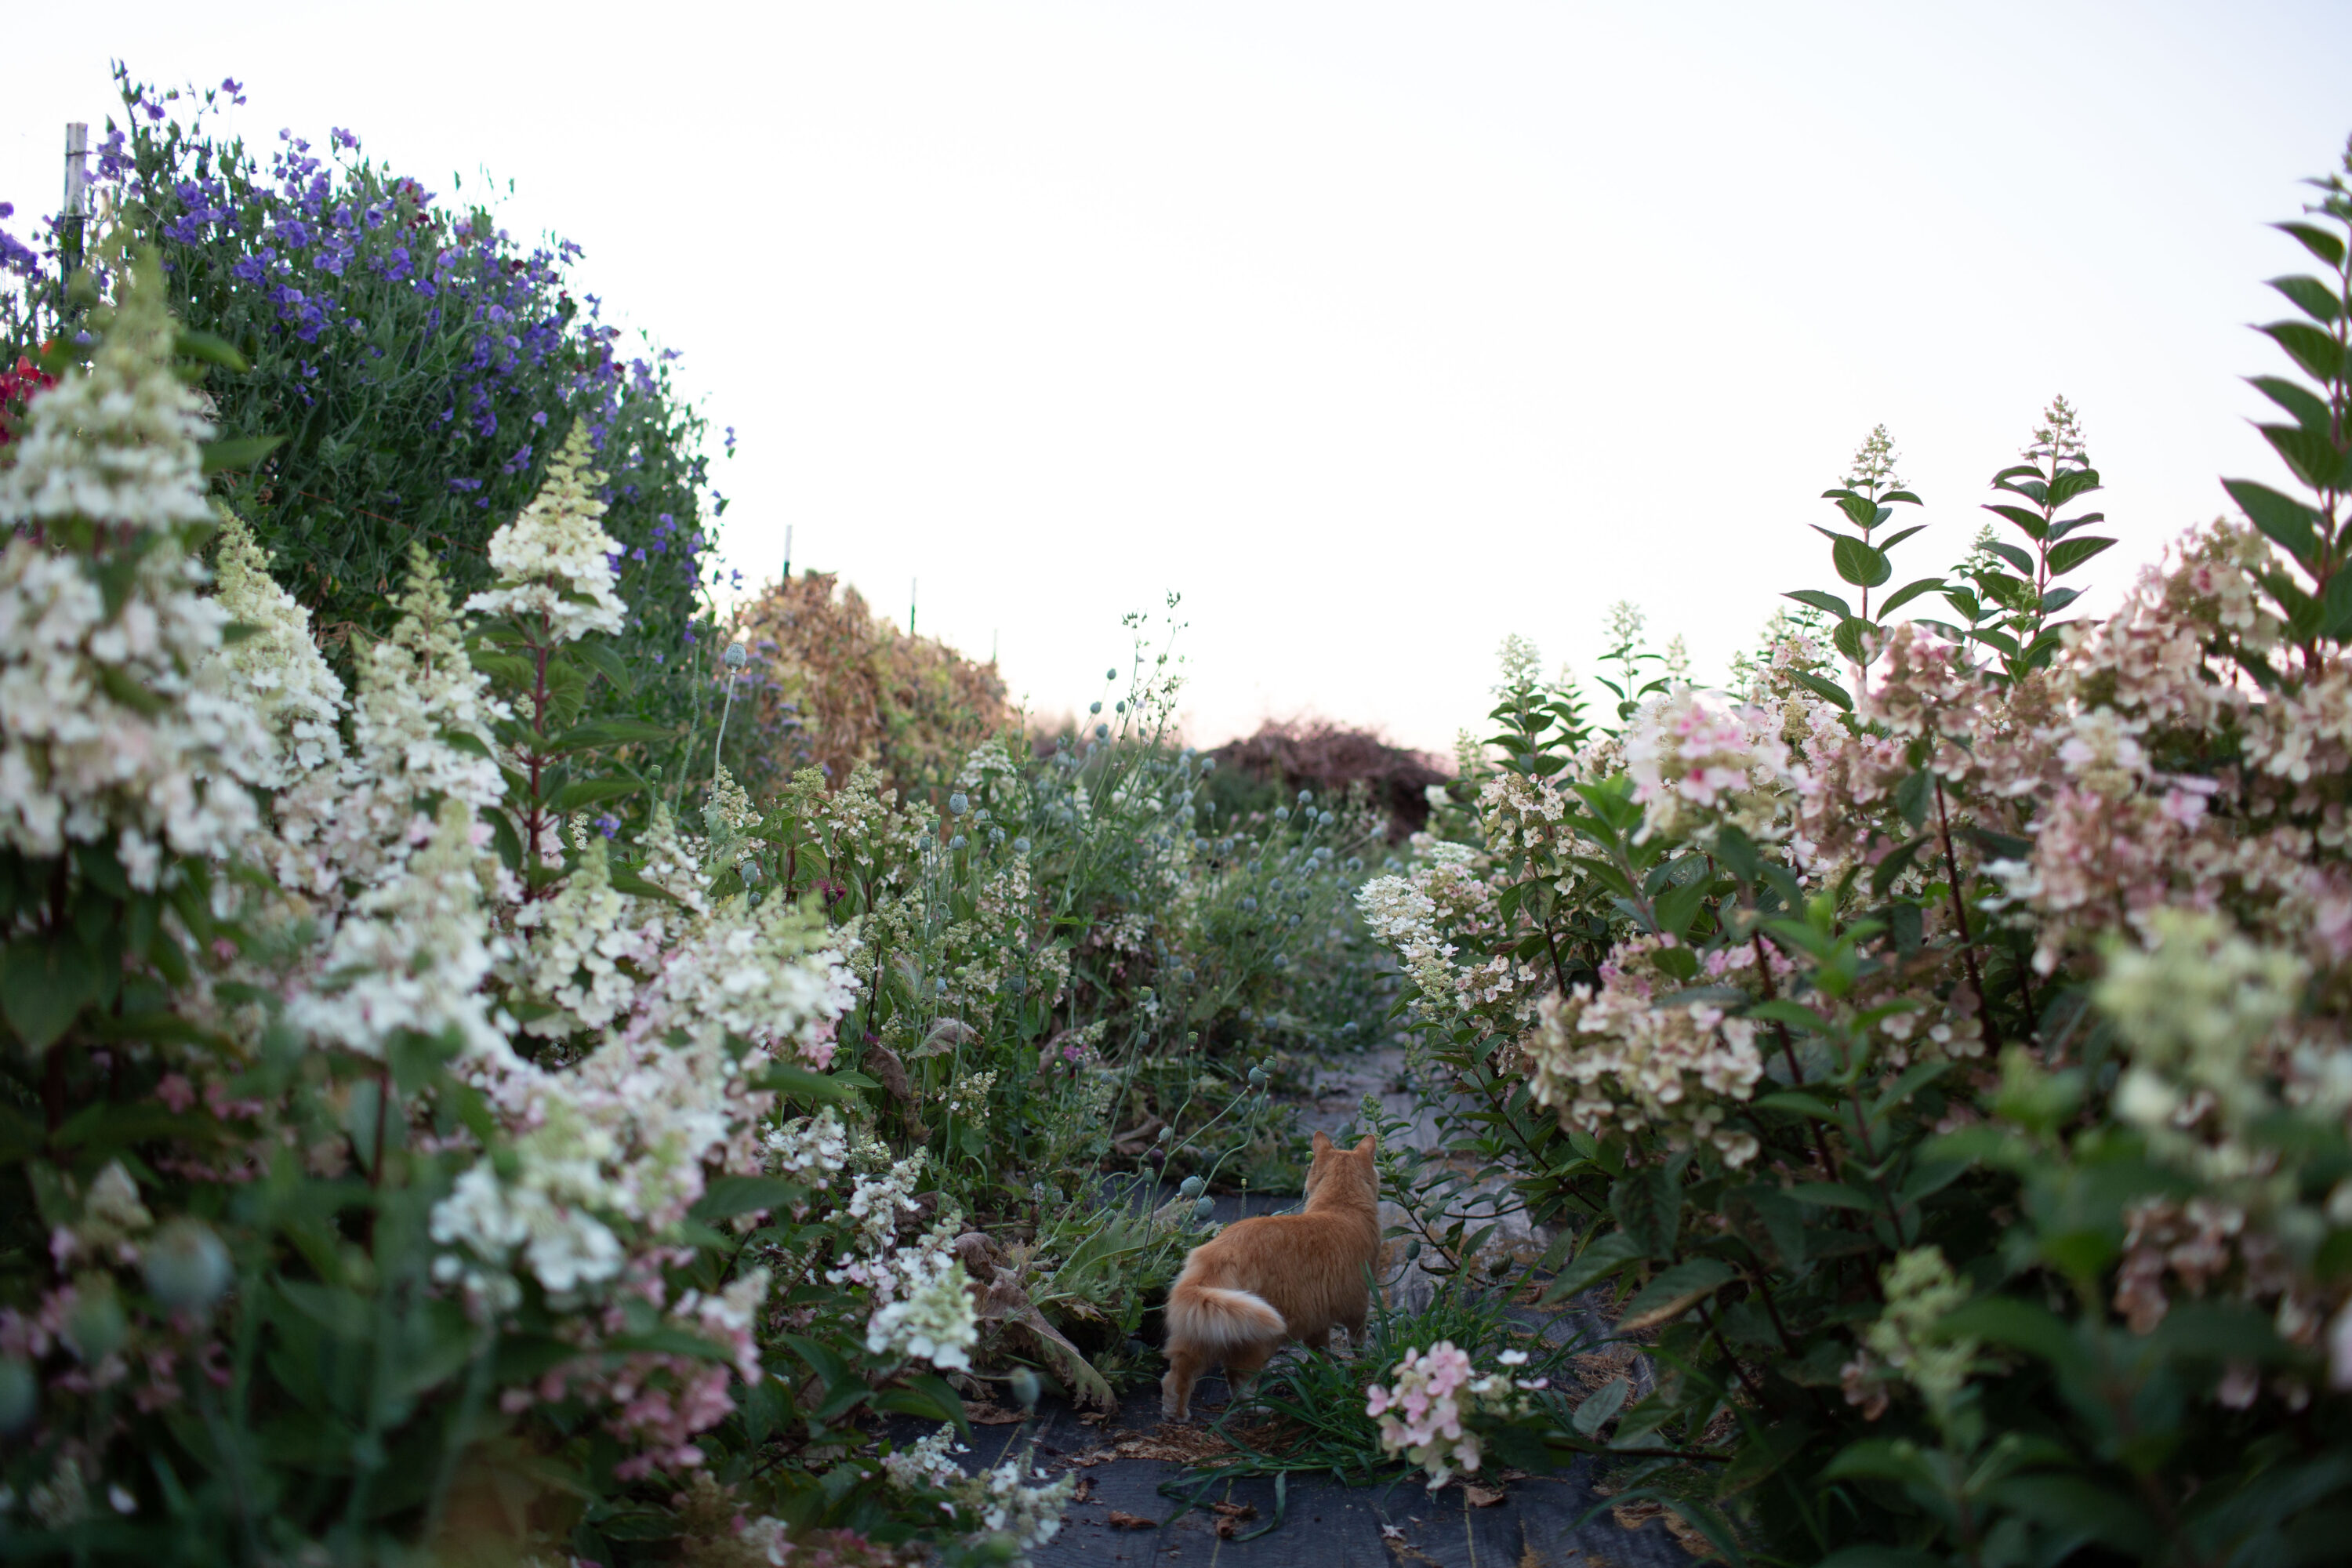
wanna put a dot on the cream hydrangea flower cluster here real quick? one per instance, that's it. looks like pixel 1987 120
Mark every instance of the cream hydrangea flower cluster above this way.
pixel 276 666
pixel 106 734
pixel 1424 915
pixel 1000 1498
pixel 1905 1343
pixel 420 729
pixel 414 955
pixel 554 559
pixel 1618 1059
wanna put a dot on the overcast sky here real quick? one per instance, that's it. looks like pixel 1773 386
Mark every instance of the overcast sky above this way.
pixel 1375 330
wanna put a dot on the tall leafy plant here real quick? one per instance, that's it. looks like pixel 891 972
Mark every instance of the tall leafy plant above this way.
pixel 2315 442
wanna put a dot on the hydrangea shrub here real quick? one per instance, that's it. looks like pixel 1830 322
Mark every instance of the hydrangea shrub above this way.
pixel 1934 1052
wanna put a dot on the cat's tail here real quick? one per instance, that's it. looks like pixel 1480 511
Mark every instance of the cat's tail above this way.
pixel 1211 1318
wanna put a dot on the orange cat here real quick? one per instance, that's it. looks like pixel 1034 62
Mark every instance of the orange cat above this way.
pixel 1277 1276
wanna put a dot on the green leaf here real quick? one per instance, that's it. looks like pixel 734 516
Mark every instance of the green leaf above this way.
pixel 1829 691
pixel 1912 795
pixel 666 1341
pixel 2335 615
pixel 1832 1196
pixel 1883 876
pixel 798 1082
pixel 45 982
pixel 1898 536
pixel 627 881
pixel 1648 1204
pixel 2314 458
pixel 1848 638
pixel 1781 1009
pixel 1915 1077
pixel 2316 240
pixel 341 1312
pixel 238 452
pixel 125 689
pixel 1999 846
pixel 730 1196
pixel 1859 563
pixel 2013 554
pixel 1678 906
pixel 2071 483
pixel 1860 509
pixel 211 350
pixel 1891 496
pixel 2316 352
pixel 1909 592
pixel 1820 601
pixel 1601 1405
pixel 2079 1507
pixel 588 791
pixel 1878 1459
pixel 608 664
pixel 2069 553
pixel 1601 1259
pixel 2309 411
pixel 2032 523
pixel 608 732
pixel 2021 1325
pixel 1674 1292
pixel 1797 1102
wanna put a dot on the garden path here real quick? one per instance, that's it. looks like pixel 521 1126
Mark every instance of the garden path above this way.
pixel 1122 1517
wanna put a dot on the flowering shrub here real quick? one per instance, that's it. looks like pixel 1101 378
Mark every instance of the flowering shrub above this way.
pixel 1937 1048
pixel 412 371
pixel 412 1152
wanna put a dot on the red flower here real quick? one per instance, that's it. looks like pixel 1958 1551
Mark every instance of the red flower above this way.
pixel 18 385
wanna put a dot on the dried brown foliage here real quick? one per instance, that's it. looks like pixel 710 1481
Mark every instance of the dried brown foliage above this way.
pixel 1329 759
pixel 843 686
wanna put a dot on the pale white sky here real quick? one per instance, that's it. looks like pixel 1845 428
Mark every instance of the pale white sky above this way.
pixel 1376 330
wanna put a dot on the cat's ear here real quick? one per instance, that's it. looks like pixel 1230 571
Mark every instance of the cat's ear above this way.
pixel 1368 1145
pixel 1322 1142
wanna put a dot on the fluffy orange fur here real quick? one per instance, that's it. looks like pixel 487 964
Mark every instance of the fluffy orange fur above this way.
pixel 1276 1278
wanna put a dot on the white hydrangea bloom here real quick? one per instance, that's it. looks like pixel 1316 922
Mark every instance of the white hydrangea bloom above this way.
pixel 117 443
pixel 415 956
pixel 298 699
pixel 928 1463
pixel 104 735
pixel 774 975
pixel 416 690
pixel 812 1147
pixel 1031 1515
pixel 577 941
pixel 669 863
pixel 934 1321
pixel 564 1246
pixel 556 547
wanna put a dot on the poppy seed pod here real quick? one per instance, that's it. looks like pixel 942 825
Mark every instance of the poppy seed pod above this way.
pixel 186 1266
pixel 735 657
pixel 1025 1387
pixel 1203 1207
pixel 95 1328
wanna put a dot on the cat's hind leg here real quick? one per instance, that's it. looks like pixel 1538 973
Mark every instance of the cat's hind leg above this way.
pixel 1185 1366
pixel 1244 1362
